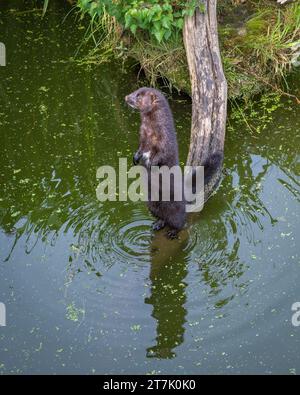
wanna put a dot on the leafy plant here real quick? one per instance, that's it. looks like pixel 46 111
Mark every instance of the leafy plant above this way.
pixel 159 18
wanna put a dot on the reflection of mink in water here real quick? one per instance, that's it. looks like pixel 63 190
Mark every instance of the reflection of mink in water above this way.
pixel 158 147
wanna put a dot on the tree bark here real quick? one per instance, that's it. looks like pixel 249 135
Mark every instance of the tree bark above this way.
pixel 209 89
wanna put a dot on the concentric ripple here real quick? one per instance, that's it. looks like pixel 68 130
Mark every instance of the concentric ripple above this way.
pixel 128 241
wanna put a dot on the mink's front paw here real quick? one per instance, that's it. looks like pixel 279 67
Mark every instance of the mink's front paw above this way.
pixel 159 224
pixel 136 158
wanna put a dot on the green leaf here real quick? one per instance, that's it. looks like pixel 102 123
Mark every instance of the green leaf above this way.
pixel 179 23
pixel 159 34
pixel 168 34
pixel 128 20
pixel 46 2
pixel 166 22
pixel 133 28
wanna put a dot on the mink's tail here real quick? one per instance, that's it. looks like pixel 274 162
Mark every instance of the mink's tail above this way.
pixel 212 174
pixel 212 165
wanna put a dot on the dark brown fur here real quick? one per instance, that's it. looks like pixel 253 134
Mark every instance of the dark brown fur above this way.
pixel 157 135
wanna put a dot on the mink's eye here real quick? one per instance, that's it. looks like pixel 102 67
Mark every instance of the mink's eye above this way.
pixel 139 97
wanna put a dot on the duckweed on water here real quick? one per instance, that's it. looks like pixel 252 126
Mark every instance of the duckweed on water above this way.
pixel 74 313
pixel 216 301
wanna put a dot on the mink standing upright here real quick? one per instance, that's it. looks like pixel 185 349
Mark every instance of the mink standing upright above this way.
pixel 158 147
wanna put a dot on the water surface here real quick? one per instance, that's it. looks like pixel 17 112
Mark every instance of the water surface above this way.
pixel 87 286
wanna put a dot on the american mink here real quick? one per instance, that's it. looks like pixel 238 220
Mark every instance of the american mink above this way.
pixel 158 147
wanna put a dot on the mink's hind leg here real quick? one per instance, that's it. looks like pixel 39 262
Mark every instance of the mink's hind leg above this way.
pixel 159 224
pixel 172 234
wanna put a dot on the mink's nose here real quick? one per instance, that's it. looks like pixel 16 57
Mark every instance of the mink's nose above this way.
pixel 130 101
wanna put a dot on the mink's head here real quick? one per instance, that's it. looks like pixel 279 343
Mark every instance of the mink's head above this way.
pixel 144 100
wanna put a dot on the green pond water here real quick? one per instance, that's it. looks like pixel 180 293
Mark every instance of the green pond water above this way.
pixel 87 286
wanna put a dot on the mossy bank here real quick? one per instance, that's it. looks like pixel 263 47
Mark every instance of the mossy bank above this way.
pixel 260 42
